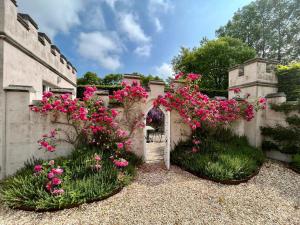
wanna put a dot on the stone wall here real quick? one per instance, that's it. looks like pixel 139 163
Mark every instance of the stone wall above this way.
pixel 257 77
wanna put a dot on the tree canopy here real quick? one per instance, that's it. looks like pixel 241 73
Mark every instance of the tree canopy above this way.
pixel 213 59
pixel 89 78
pixel 272 27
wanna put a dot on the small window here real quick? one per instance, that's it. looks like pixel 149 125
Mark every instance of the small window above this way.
pixel 241 71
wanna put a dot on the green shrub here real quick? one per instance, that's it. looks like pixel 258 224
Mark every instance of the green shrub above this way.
pixel 223 156
pixel 26 190
pixel 284 139
pixel 296 162
pixel 289 80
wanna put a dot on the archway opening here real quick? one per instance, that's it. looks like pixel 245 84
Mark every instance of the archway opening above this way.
pixel 155 135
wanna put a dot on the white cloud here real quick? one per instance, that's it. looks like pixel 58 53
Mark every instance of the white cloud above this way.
pixel 144 50
pixel 130 26
pixel 157 7
pixel 94 18
pixel 101 48
pixel 160 6
pixel 158 25
pixel 111 3
pixel 165 70
pixel 54 16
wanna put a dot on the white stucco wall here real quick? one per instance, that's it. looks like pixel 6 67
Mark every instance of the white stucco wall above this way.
pixel 25 61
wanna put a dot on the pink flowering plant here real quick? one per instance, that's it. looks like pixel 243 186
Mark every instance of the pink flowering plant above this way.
pixel 196 108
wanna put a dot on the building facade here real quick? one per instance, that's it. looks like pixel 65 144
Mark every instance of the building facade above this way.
pixel 29 64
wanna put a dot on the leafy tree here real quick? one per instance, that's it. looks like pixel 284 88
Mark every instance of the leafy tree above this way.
pixel 146 79
pixel 272 27
pixel 213 59
pixel 89 78
pixel 112 79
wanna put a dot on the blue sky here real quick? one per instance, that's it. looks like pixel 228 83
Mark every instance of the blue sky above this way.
pixel 125 36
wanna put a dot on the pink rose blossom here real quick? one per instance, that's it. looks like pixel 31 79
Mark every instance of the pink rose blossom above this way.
pixel 38 168
pixel 56 181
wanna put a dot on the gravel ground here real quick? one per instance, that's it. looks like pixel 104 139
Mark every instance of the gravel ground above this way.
pixel 177 197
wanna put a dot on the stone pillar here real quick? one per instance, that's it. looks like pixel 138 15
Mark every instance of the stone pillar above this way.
pixel 156 88
pixel 130 78
pixel 257 78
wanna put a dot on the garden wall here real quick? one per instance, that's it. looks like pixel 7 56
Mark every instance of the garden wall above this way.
pixel 257 77
pixel 29 64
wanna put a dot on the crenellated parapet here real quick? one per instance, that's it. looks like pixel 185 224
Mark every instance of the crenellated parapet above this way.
pixel 21 31
pixel 255 76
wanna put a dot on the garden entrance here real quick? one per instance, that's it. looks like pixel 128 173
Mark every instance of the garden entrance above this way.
pixel 157 136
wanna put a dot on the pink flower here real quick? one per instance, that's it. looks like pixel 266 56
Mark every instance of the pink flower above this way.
pixel 48 186
pixel 262 100
pixel 51 162
pixel 58 191
pixel 194 150
pixel 97 158
pixel 47 94
pixel 120 162
pixel 120 145
pixel 50 148
pixel 38 168
pixel 56 181
pixel 50 175
pixel 57 171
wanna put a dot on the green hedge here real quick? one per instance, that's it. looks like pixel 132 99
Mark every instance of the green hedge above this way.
pixel 213 93
pixel 289 80
pixel 283 139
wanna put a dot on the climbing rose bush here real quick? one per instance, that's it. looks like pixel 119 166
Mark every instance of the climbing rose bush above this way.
pixel 91 123
pixel 196 108
pixel 130 97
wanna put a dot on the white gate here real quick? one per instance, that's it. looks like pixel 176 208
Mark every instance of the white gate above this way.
pixel 168 141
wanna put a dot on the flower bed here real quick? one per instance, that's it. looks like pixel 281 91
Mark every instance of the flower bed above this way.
pixel 220 157
pixel 87 175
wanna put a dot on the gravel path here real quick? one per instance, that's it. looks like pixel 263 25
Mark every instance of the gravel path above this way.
pixel 177 197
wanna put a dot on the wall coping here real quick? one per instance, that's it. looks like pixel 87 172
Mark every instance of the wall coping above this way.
pixel 276 95
pixel 20 88
pixel 131 76
pixel 15 2
pixel 102 92
pixel 255 83
pixel 29 19
pixel 62 90
pixel 156 82
pixel 250 61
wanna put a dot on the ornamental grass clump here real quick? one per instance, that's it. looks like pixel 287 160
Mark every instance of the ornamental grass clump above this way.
pixel 221 156
pixel 85 176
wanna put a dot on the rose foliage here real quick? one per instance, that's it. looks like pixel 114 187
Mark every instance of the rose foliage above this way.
pixel 196 108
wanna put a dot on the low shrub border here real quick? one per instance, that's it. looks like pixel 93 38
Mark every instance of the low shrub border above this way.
pixel 72 205
pixel 226 182
pixel 218 155
pixel 82 181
